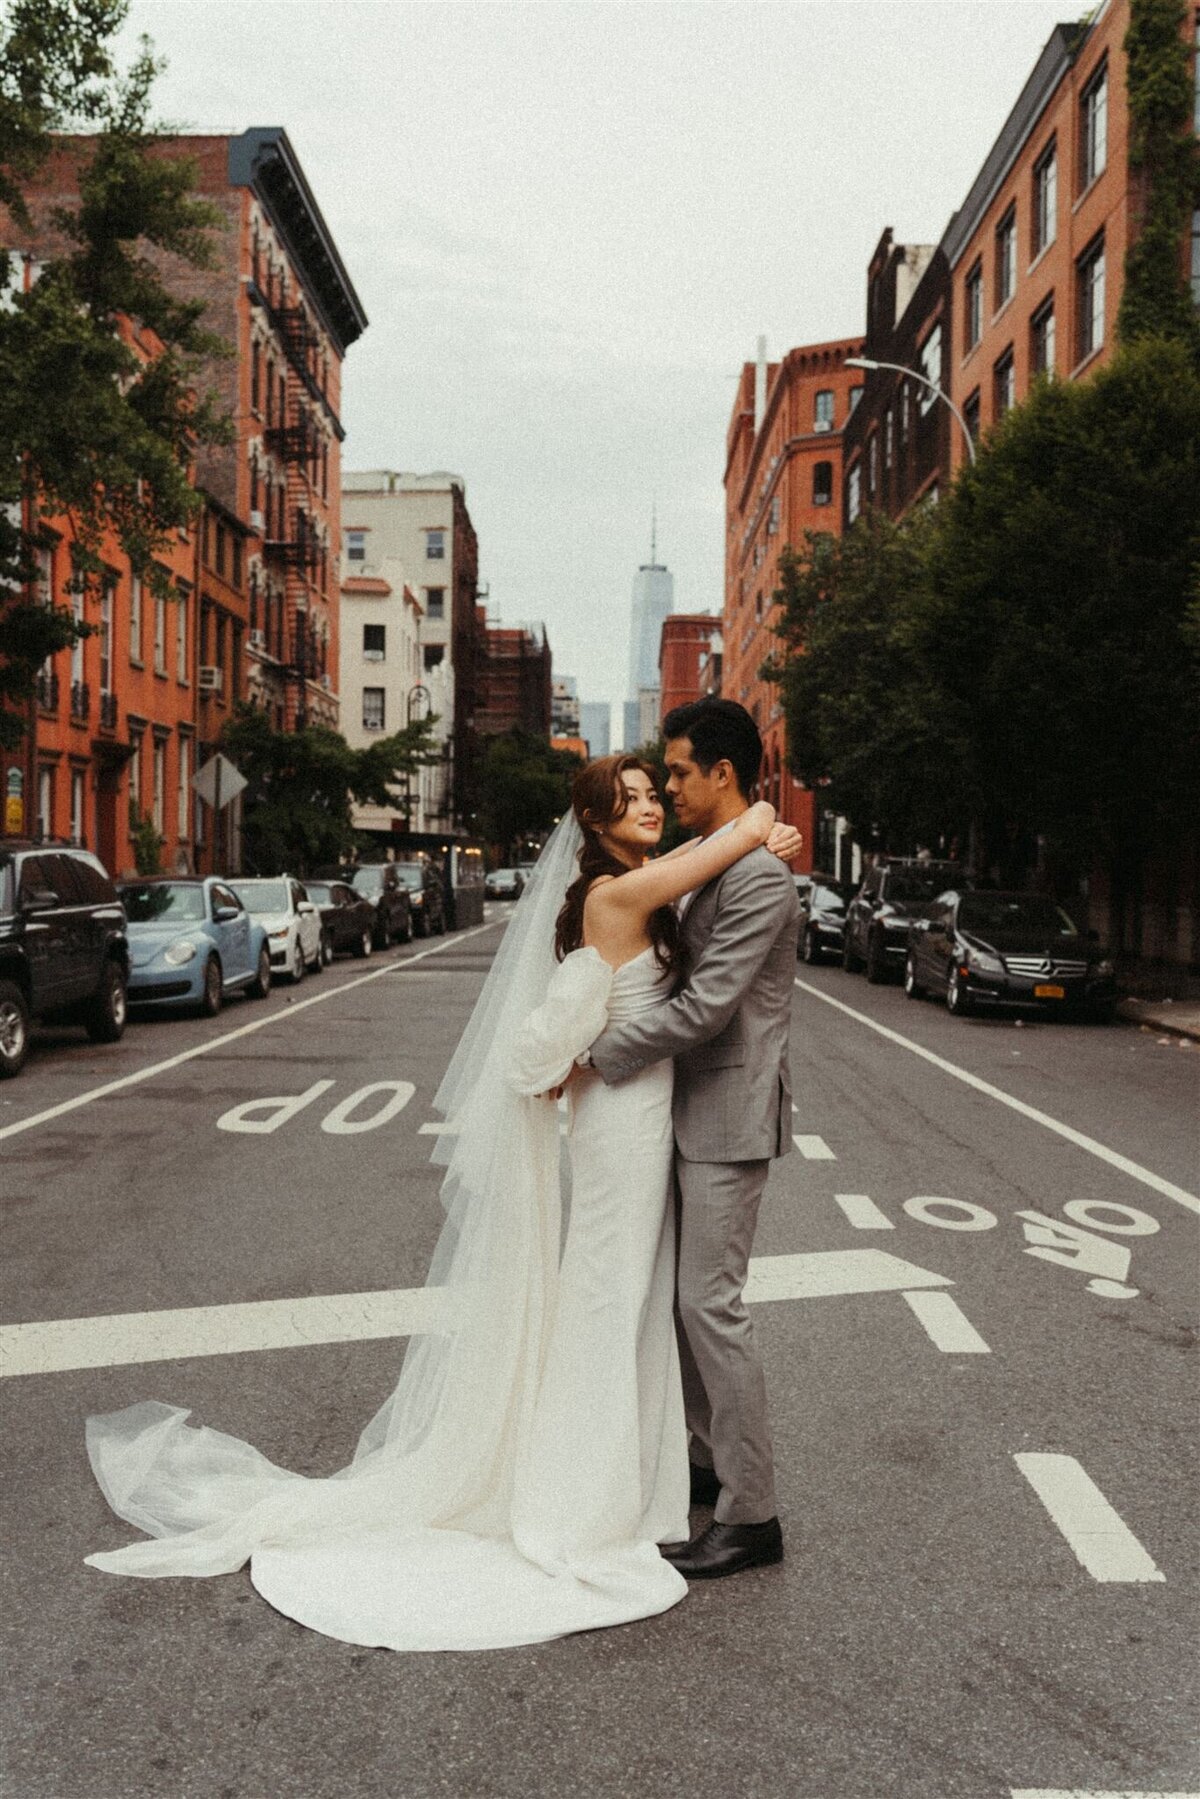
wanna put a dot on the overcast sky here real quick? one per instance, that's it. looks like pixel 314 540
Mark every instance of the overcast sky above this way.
pixel 568 223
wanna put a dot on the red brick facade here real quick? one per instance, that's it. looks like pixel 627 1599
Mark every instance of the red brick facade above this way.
pixel 688 640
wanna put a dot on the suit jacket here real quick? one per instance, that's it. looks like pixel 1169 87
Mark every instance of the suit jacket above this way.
pixel 728 1026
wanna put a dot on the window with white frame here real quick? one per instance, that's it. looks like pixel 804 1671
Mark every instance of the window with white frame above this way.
pixel 931 367
pixel 160 635
pixel 1093 128
pixel 106 631
pixel 1006 257
pixel 1090 294
pixel 184 791
pixel 77 646
pixel 135 619
pixel 181 636
pixel 373 709
pixel 854 493
pixel 43 579
pixel 773 517
pixel 1045 198
pixel 356 546
pixel 1004 389
pixel 159 802
pixel 1041 338
pixel 823 410
pixel 435 546
pixel 973 307
pixel 78 793
pixel 135 773
pixel 45 801
pixel 374 643
pixel 435 602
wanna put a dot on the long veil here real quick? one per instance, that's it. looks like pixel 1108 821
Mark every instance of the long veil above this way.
pixel 445 1447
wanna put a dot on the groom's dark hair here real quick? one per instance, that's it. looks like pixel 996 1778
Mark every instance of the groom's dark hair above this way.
pixel 720 731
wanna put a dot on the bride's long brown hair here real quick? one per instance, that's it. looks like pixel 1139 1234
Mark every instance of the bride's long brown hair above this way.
pixel 598 798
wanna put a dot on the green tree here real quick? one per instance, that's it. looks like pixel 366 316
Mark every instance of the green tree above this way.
pixel 524 786
pixel 1156 300
pixel 296 812
pixel 90 430
pixel 866 724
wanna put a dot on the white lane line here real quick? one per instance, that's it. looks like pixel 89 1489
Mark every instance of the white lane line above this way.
pixel 1092 1793
pixel 1134 1169
pixel 814 1149
pixel 946 1324
pixel 1096 1532
pixel 246 1030
pixel 863 1213
pixel 118 1340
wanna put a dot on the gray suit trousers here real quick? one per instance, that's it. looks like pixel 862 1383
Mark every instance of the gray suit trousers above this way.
pixel 724 1390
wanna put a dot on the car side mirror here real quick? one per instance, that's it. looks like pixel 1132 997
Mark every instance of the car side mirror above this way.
pixel 306 908
pixel 225 914
pixel 935 927
pixel 42 899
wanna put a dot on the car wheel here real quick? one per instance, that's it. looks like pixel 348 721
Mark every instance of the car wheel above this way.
pixel 850 962
pixel 260 986
pixel 364 946
pixel 876 960
pixel 382 936
pixel 210 1002
pixel 326 949
pixel 912 986
pixel 318 957
pixel 105 1016
pixel 14 1030
pixel 809 948
pixel 957 997
pixel 298 963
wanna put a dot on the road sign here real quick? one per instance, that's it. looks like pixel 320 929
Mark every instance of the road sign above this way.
pixel 218 781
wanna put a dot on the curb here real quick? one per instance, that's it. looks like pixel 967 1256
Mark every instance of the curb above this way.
pixel 1148 1013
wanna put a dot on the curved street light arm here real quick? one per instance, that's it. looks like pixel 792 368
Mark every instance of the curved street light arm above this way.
pixel 902 369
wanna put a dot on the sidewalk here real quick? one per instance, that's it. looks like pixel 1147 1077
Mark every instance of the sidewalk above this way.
pixel 1180 1017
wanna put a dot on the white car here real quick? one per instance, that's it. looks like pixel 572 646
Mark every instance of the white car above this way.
pixel 291 921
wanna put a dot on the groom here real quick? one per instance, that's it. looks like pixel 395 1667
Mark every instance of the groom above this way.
pixel 728 1031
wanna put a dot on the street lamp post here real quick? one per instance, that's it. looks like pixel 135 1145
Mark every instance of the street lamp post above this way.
pixel 867 362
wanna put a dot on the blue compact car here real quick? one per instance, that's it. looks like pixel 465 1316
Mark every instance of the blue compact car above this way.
pixel 191 941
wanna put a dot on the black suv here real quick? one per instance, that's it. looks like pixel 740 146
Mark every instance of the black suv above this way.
pixel 891 896
pixel 380 883
pixel 64 956
pixel 425 895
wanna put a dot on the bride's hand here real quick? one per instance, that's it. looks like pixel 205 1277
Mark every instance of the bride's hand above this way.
pixel 758 820
pixel 785 842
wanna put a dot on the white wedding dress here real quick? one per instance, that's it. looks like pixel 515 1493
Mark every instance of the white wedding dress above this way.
pixel 514 1486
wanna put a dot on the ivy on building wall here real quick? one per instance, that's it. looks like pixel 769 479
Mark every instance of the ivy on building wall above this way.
pixel 1156 301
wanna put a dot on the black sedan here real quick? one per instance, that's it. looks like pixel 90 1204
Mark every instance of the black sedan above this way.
pixel 347 919
pixel 426 896
pixel 822 921
pixel 985 950
pixel 504 884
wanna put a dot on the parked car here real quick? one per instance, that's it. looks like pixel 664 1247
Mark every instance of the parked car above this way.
pixel 290 920
pixel 64 952
pixel 893 893
pixel 822 920
pixel 348 920
pixel 380 883
pixel 191 942
pixel 1007 949
pixel 426 896
pixel 504 884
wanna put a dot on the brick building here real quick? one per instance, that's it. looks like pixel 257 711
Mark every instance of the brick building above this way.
pixel 783 477
pixel 514 680
pixel 688 639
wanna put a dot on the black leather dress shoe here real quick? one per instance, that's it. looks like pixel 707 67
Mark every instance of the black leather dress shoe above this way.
pixel 727 1549
pixel 706 1488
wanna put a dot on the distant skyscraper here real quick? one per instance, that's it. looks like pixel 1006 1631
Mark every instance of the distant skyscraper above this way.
pixel 595 726
pixel 653 598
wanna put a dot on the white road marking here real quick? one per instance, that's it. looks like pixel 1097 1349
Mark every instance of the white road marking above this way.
pixel 339 1123
pixel 118 1340
pixel 946 1324
pixel 1134 1169
pixel 246 1030
pixel 966 1217
pixel 437 1130
pixel 1098 1535
pixel 863 1213
pixel 814 1149
pixel 1092 1792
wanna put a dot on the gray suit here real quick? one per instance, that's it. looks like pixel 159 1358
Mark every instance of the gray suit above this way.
pixel 728 1032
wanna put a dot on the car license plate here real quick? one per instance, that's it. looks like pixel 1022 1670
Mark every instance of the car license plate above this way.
pixel 1049 992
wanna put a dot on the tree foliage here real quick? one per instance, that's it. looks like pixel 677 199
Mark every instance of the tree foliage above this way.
pixel 523 785
pixel 1156 300
pixel 95 427
pixel 296 811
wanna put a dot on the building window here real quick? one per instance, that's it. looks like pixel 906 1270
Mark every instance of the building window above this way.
pixel 905 412
pixel 255 376
pixel 77 801
pixel 374 642
pixel 106 636
pixel 1004 390
pixel 160 635
pixel 135 774
pixel 372 713
pixel 1093 128
pixel 823 411
pixel 889 438
pixel 973 309
pixel 181 638
pixel 77 646
pixel 1041 339
pixel 1196 248
pixel 931 367
pixel 872 465
pixel 1089 288
pixel 135 620
pixel 822 486
pixel 45 801
pixel 971 415
pixel 435 546
pixel 855 397
pixel 185 775
pixel 1045 198
pixel 160 784
pixel 235 560
pixel 434 655
pixel 356 546
pixel 435 602
pixel 773 516
pixel 1006 257
pixel 854 493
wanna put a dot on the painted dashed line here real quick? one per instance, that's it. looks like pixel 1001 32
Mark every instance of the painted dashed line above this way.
pixel 861 1211
pixel 946 1324
pixel 814 1149
pixel 1099 1537
pixel 1092 1793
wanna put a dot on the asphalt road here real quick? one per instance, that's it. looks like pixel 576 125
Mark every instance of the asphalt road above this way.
pixel 987 1455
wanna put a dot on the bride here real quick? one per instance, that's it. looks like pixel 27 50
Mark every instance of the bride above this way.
pixel 516 1483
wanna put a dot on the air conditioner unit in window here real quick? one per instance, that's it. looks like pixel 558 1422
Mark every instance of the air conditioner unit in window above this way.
pixel 327 683
pixel 258 640
pixel 823 425
pixel 211 680
pixel 372 655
